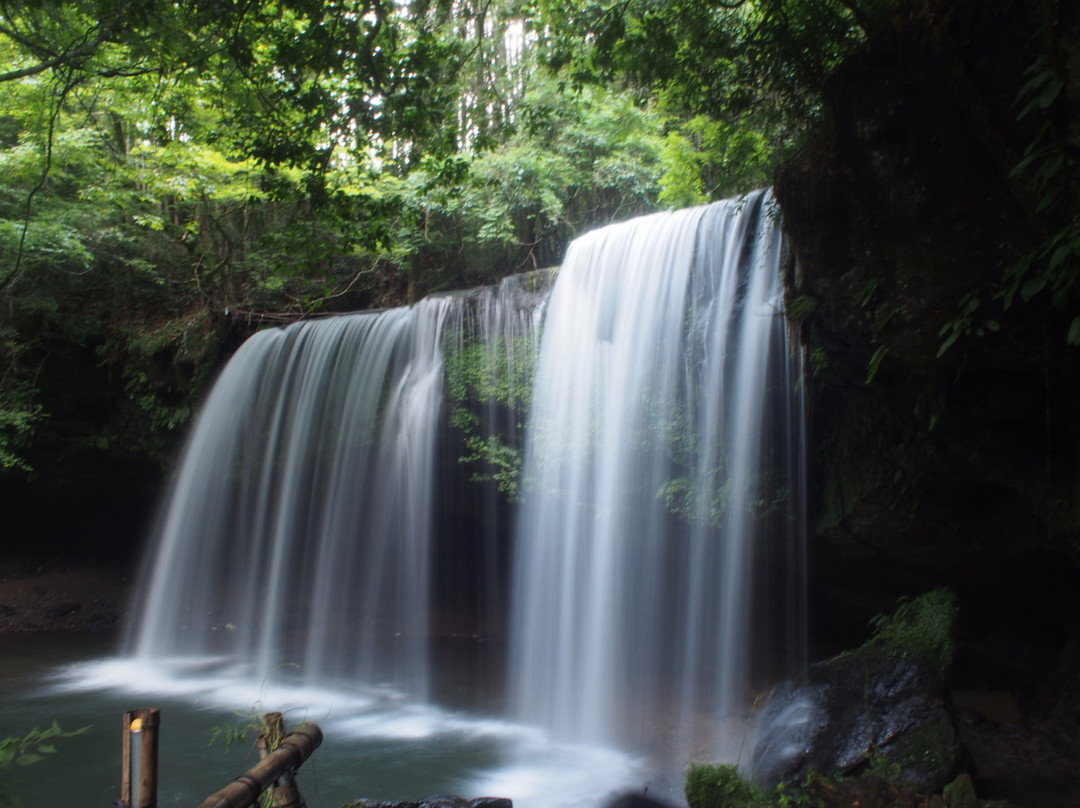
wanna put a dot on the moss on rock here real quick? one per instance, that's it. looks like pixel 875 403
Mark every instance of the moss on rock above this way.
pixel 877 708
pixel 921 630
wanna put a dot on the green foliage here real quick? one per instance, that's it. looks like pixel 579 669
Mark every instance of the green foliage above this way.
pixel 799 308
pixel 784 796
pixel 921 629
pixel 267 734
pixel 33 747
pixel 719 785
pixel 706 159
pixel 966 323
pixel 576 159
pixel 164 367
pixel 757 67
pixel 482 375
pixel 918 753
pixel 874 365
pixel 960 793
pixel 498 370
pixel 502 461
pixel 18 415
pixel 254 722
pixel 166 165
pixel 1046 177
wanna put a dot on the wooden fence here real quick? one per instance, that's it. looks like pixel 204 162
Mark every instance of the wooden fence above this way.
pixel 281 754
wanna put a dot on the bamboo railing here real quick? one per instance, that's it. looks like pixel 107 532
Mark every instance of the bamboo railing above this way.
pixel 275 770
pixel 281 755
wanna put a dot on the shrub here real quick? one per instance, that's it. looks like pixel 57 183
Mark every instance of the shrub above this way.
pixel 719 785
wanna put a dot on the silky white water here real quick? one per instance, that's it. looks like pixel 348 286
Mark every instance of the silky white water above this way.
pixel 302 505
pixel 353 494
pixel 662 465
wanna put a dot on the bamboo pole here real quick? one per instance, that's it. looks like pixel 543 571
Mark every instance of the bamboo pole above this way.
pixel 284 792
pixel 295 748
pixel 139 758
pixel 273 732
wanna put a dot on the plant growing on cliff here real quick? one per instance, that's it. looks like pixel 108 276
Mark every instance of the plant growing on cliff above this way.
pixel 493 374
pixel 18 414
pixel 1045 180
pixel 720 785
pixel 1049 165
pixel 920 630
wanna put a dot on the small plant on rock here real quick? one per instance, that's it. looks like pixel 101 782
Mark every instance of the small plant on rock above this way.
pixel 719 785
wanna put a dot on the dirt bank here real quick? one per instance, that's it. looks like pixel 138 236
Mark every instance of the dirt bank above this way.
pixel 62 594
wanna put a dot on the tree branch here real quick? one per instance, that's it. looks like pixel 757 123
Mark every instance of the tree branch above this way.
pixel 65 59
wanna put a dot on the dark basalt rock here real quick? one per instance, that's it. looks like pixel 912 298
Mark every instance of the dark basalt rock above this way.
pixel 956 469
pixel 880 707
pixel 854 711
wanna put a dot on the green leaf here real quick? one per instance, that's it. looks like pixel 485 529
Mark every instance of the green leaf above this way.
pixel 1050 92
pixel 875 363
pixel 1074 332
pixel 1032 287
pixel 953 337
pixel 1039 73
pixel 1052 86
pixel 1047 201
pixel 1051 168
pixel 1061 253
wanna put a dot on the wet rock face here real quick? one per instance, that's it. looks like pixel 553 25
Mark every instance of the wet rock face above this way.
pixel 856 711
pixel 878 708
pixel 960 469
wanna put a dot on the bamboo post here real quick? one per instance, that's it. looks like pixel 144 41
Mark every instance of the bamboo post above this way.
pixel 295 748
pixel 284 792
pixel 139 758
pixel 273 732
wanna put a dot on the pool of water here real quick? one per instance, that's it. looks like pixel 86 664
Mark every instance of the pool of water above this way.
pixel 377 743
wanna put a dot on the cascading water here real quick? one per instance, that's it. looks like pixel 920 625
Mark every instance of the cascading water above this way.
pixel 300 525
pixel 663 458
pixel 320 516
pixel 301 511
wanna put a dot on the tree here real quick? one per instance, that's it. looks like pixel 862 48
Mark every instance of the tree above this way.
pixel 173 168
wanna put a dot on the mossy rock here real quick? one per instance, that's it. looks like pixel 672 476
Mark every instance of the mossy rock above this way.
pixel 960 793
pixel 876 708
pixel 920 630
pixel 926 755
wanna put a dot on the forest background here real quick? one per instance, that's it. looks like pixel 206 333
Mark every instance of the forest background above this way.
pixel 174 175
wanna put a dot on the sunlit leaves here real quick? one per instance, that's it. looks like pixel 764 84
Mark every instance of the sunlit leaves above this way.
pixel 705 159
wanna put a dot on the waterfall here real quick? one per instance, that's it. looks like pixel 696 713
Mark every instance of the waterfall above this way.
pixel 299 506
pixel 641 561
pixel 662 464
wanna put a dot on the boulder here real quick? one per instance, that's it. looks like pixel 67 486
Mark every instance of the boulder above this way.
pixel 878 708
